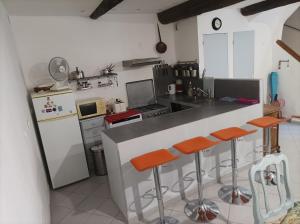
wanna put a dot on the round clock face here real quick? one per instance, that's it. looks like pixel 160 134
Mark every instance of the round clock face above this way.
pixel 216 23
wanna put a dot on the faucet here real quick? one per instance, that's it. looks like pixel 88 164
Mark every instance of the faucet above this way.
pixel 202 92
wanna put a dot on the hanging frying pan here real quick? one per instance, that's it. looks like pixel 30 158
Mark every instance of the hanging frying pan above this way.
pixel 161 47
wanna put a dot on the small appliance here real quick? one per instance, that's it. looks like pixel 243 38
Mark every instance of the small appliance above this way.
pixel 59 70
pixel 91 107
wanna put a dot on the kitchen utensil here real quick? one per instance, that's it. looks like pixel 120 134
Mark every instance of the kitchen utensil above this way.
pixel 188 74
pixel 172 89
pixel 176 72
pixel 179 86
pixel 161 47
pixel 194 73
pixel 209 85
pixel 45 87
pixel 190 89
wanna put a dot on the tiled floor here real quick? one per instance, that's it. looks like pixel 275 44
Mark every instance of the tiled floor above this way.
pixel 89 202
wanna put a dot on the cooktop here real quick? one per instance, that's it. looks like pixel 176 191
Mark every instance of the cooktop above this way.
pixel 153 110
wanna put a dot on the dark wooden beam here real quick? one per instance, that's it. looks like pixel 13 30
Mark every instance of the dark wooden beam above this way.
pixel 192 8
pixel 104 7
pixel 264 6
pixel 292 27
pixel 289 50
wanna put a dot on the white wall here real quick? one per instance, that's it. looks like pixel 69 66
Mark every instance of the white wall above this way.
pixel 90 44
pixel 291 36
pixel 267 26
pixel 289 82
pixel 289 77
pixel 24 190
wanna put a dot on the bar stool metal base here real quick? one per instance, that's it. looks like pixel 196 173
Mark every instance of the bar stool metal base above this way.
pixel 167 220
pixel 201 211
pixel 235 195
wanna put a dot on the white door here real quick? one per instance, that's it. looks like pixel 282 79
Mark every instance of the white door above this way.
pixel 216 55
pixel 243 54
pixel 64 150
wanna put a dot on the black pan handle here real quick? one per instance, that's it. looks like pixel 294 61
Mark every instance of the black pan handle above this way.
pixel 158 32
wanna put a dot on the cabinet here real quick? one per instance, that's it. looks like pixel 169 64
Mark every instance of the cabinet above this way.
pixel 215 48
pixel 273 111
pixel 243 54
pixel 91 130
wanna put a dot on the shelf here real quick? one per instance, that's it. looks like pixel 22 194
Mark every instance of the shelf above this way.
pixel 95 77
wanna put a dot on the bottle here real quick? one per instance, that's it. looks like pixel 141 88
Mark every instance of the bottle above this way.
pixel 190 89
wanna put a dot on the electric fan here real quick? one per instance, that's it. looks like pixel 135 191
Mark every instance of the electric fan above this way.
pixel 59 70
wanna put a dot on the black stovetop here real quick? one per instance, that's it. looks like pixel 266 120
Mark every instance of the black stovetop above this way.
pixel 150 107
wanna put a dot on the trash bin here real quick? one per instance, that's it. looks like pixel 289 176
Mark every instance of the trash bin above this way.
pixel 99 160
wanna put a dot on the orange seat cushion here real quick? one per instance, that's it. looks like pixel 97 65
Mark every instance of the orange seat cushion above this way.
pixel 195 145
pixel 265 122
pixel 152 159
pixel 231 133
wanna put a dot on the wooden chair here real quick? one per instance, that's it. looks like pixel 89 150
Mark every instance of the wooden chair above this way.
pixel 286 201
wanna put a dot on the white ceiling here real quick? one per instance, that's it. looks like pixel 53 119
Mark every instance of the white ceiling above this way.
pixel 83 7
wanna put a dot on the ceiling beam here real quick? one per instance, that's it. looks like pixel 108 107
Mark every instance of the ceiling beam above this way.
pixel 264 6
pixel 104 7
pixel 192 8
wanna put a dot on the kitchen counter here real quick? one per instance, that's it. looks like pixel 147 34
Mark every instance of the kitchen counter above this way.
pixel 130 188
pixel 201 109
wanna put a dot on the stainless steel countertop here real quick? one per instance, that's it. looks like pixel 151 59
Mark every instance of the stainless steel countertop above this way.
pixel 201 109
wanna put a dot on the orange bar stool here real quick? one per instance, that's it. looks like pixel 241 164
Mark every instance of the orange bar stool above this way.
pixel 233 194
pixel 152 161
pixel 199 210
pixel 267 123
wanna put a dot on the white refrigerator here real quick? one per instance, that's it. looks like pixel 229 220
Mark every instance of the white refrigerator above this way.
pixel 59 129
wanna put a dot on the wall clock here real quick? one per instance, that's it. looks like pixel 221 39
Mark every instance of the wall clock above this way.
pixel 216 23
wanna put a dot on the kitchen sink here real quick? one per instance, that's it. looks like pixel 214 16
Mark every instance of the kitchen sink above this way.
pixel 196 101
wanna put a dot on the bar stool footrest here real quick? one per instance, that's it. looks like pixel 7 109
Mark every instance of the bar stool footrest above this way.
pixel 201 211
pixel 151 193
pixel 167 220
pixel 235 195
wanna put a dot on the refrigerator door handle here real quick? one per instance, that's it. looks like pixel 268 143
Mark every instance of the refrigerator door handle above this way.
pixel 58 118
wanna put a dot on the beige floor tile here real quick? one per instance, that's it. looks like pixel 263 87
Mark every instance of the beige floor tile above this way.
pixel 91 204
pixel 108 208
pixel 241 214
pixel 72 201
pixel 86 187
pixel 96 219
pixel 58 213
pixel 76 218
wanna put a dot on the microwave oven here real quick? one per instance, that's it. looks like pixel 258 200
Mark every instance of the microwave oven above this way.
pixel 91 108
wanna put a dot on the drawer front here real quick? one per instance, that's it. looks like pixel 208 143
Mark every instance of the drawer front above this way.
pixel 92 123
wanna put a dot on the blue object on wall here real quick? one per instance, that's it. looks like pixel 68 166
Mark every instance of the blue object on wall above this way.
pixel 274 85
